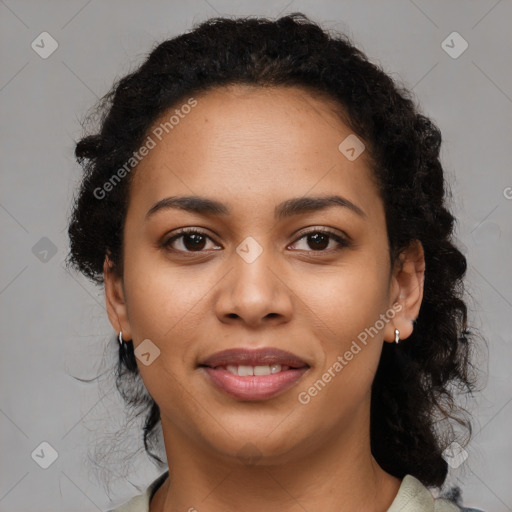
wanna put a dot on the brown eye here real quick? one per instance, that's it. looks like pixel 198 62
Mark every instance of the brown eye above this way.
pixel 193 240
pixel 319 239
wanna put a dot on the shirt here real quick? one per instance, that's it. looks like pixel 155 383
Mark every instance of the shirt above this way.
pixel 412 496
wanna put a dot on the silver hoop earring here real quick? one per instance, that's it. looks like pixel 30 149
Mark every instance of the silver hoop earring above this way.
pixel 397 335
pixel 121 338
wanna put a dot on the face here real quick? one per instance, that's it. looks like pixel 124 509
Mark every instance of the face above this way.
pixel 312 281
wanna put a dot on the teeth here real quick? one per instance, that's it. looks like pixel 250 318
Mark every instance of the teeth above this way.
pixel 262 370
pixel 245 371
pixel 276 368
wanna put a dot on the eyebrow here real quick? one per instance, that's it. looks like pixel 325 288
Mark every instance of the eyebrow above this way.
pixel 288 208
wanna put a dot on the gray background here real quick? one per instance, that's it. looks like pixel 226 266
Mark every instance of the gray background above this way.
pixel 54 324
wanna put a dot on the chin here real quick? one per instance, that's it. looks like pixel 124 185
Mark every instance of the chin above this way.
pixel 261 444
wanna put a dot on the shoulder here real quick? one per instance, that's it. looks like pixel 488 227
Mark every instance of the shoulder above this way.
pixel 413 496
pixel 140 503
pixel 442 505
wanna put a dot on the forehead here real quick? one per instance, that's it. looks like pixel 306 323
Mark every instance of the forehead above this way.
pixel 246 144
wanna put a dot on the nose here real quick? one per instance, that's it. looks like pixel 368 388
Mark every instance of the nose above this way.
pixel 254 292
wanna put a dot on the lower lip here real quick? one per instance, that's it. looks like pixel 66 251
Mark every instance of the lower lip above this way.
pixel 256 387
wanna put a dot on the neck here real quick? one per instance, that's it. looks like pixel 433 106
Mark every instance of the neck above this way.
pixel 335 475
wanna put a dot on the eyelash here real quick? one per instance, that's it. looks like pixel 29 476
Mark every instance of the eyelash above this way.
pixel 343 242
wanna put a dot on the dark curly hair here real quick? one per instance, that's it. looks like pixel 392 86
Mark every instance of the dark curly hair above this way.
pixel 415 387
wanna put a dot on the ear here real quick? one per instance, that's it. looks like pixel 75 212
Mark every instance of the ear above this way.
pixel 115 300
pixel 406 291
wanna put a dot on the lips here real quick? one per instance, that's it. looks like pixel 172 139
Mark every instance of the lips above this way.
pixel 253 374
pixel 253 357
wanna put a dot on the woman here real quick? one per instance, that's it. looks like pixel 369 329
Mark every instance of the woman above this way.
pixel 266 210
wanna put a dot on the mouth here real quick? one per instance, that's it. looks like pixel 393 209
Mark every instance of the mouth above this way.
pixel 253 374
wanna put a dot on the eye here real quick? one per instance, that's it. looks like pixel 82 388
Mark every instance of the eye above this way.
pixel 193 240
pixel 318 239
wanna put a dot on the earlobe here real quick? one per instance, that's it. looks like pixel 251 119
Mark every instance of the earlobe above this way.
pixel 408 285
pixel 115 299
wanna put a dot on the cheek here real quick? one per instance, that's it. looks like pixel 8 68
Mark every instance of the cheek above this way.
pixel 350 298
pixel 339 395
pixel 160 307
pixel 160 299
pixel 351 345
pixel 346 312
pixel 165 306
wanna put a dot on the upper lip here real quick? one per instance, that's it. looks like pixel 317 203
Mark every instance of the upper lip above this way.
pixel 253 357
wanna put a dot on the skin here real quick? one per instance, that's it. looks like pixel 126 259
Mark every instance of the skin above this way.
pixel 252 148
